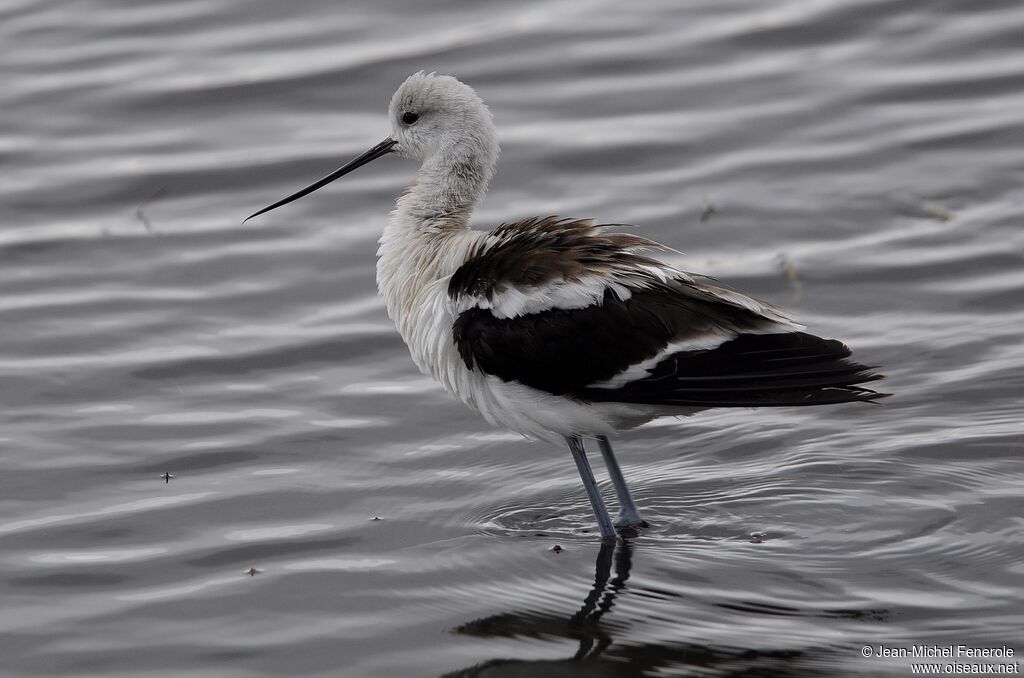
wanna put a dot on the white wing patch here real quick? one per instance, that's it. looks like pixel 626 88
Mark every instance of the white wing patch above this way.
pixel 513 301
pixel 642 369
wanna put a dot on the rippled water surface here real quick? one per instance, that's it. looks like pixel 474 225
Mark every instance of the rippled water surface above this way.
pixel 859 163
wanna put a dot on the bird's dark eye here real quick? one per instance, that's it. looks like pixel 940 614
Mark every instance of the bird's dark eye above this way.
pixel 410 118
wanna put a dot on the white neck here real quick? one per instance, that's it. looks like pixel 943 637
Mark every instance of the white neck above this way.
pixel 448 185
pixel 428 235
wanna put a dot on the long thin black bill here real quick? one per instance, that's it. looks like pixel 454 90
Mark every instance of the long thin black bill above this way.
pixel 383 148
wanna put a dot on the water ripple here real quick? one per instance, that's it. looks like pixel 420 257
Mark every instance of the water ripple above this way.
pixel 328 509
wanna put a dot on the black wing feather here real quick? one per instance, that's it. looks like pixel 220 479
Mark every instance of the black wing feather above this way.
pixel 565 351
pixel 752 370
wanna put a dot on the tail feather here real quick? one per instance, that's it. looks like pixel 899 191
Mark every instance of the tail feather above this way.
pixel 751 370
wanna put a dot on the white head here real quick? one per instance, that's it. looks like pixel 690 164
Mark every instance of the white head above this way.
pixel 435 115
pixel 443 123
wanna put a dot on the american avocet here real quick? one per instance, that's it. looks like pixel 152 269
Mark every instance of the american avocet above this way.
pixel 557 328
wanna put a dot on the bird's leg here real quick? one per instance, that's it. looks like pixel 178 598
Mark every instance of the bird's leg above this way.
pixel 579 455
pixel 629 517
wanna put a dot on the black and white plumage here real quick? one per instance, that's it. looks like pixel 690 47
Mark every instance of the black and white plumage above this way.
pixel 560 328
pixel 649 335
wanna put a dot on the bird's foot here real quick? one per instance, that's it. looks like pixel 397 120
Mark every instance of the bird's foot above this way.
pixel 629 525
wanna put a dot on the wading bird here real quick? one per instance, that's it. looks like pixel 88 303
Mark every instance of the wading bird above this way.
pixel 558 328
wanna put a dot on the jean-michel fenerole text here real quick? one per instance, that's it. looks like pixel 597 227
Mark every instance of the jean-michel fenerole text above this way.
pixel 955 651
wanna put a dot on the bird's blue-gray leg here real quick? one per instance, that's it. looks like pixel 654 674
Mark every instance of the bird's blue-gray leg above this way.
pixel 628 516
pixel 579 455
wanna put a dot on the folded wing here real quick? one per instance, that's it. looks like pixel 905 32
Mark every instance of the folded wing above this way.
pixel 566 309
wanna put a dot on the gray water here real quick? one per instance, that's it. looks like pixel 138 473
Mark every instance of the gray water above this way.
pixel 858 163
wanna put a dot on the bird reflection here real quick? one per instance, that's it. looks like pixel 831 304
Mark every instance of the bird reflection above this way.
pixel 633 656
pixel 585 626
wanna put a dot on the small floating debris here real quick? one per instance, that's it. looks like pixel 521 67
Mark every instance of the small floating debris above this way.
pixel 556 548
pixel 936 211
pixel 140 211
pixel 791 275
pixel 167 477
pixel 376 518
pixel 758 537
pixel 709 211
pixel 252 571
pixel 918 207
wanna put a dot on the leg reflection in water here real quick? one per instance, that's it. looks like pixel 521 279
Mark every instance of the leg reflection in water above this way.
pixel 585 626
pixel 593 640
